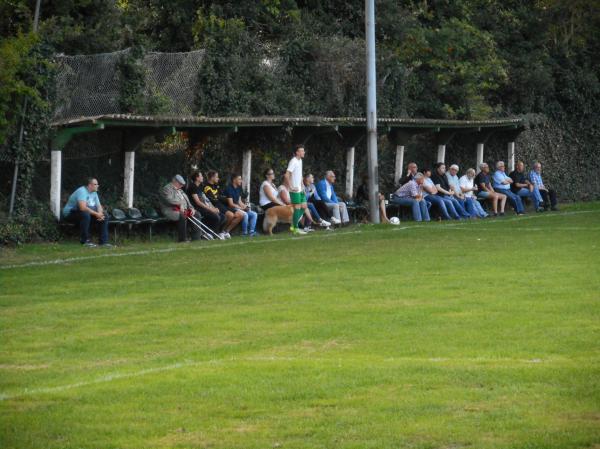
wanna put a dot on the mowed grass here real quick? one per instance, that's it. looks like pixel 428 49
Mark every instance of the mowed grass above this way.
pixel 483 335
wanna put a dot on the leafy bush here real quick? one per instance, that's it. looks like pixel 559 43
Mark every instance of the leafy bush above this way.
pixel 37 224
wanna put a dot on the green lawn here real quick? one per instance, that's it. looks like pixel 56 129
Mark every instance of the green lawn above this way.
pixel 482 335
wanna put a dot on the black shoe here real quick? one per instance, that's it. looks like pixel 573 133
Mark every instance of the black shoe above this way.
pixel 106 245
pixel 555 209
pixel 502 214
pixel 541 209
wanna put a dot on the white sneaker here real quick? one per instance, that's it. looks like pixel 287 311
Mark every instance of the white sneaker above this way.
pixel 324 224
pixel 329 229
pixel 227 235
pixel 308 229
pixel 299 232
pixel 335 220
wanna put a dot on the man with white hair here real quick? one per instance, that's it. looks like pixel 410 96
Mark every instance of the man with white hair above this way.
pixel 176 206
pixel 502 182
pixel 337 208
pixel 546 195
pixel 453 181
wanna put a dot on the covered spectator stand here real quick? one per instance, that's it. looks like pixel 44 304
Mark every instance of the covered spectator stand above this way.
pixel 350 130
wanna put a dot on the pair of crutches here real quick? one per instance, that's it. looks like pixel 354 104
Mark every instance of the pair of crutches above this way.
pixel 205 230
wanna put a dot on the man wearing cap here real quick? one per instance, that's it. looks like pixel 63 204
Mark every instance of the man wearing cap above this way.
pixel 176 206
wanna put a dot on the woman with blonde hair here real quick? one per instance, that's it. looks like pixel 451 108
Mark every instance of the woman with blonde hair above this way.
pixel 467 186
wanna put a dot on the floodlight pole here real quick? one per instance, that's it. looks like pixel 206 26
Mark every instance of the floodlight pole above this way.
pixel 373 168
pixel 13 190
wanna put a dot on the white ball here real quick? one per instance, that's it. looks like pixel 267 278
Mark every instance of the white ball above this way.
pixel 395 220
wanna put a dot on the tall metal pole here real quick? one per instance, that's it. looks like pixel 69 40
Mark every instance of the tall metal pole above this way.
pixel 373 168
pixel 13 190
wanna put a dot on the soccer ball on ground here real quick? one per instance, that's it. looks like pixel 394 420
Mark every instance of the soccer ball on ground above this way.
pixel 395 220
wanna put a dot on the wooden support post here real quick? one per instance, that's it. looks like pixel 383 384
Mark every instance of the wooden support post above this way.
pixel 55 182
pixel 350 172
pixel 129 174
pixel 247 171
pixel 399 164
pixel 441 156
pixel 511 157
pixel 479 156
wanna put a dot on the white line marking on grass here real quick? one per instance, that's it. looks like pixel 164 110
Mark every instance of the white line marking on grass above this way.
pixel 274 240
pixel 214 362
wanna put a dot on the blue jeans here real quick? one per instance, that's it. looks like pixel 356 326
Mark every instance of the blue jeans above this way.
pixel 514 199
pixel 474 208
pixel 85 220
pixel 249 219
pixel 419 208
pixel 450 207
pixel 459 207
pixel 525 193
pixel 441 205
pixel 313 211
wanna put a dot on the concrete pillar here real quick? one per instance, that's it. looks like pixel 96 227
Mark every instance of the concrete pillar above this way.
pixel 441 156
pixel 128 175
pixel 246 171
pixel 55 182
pixel 399 164
pixel 479 156
pixel 510 160
pixel 350 172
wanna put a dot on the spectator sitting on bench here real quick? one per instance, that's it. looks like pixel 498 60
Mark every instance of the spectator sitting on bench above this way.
pixel 314 205
pixel 547 196
pixel 411 171
pixel 501 182
pixel 233 217
pixel 430 193
pixel 337 209
pixel 176 206
pixel 312 196
pixel 411 195
pixel 522 187
pixel 486 191
pixel 440 180
pixel 267 194
pixel 83 208
pixel 362 198
pixel 467 186
pixel 233 195
pixel 454 183
pixel 211 216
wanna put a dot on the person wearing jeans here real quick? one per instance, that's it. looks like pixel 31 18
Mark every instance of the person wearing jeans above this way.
pixel 84 208
pixel 523 187
pixel 502 182
pixel 467 186
pixel 233 193
pixel 430 193
pixel 546 196
pixel 411 195
pixel 445 190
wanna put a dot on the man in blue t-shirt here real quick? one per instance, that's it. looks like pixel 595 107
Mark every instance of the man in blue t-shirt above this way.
pixel 83 208
pixel 233 194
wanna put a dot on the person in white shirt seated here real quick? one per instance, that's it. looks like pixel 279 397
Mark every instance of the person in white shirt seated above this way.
pixel 268 193
pixel 467 186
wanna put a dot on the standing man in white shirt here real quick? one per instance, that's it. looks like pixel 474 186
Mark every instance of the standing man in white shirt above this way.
pixel 293 175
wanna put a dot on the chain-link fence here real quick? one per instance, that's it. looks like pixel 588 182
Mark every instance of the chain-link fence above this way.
pixel 89 85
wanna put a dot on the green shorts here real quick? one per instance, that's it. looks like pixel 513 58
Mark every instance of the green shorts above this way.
pixel 297 197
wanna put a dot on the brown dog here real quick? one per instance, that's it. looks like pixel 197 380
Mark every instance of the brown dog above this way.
pixel 277 214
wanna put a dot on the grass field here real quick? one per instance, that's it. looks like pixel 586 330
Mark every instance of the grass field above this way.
pixel 482 335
